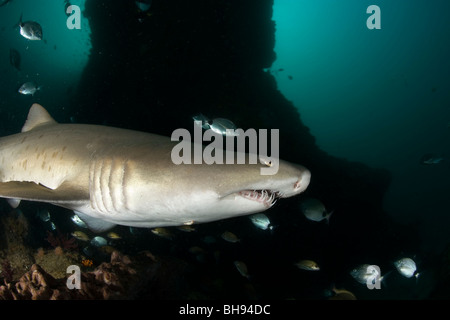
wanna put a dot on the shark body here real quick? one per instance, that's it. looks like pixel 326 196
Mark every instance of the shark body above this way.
pixel 112 176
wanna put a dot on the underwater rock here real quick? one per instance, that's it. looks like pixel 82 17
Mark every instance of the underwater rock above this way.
pixel 33 285
pixel 55 261
pixel 14 229
pixel 121 278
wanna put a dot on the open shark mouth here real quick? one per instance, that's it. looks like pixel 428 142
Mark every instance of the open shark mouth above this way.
pixel 266 197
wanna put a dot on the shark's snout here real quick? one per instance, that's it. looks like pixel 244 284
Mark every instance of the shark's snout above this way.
pixel 268 195
pixel 303 182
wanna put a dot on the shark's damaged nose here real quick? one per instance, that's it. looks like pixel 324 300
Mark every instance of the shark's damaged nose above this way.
pixel 303 182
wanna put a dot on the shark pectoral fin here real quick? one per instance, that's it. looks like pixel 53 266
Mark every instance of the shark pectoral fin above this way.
pixel 31 191
pixel 95 224
pixel 14 203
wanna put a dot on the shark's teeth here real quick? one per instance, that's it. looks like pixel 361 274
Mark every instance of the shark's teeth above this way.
pixel 265 197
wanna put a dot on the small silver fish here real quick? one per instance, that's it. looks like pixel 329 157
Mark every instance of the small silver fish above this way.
pixel 107 249
pixel 224 127
pixel 364 272
pixel 29 88
pixel 308 265
pixel 80 235
pixel 342 294
pixel 242 268
pixel 314 210
pixel 76 219
pixel 261 221
pixel 113 235
pixel 205 121
pixel 44 215
pixel 430 159
pixel 99 241
pixel 30 30
pixel 230 237
pixel 406 267
pixel 163 232
pixel 143 5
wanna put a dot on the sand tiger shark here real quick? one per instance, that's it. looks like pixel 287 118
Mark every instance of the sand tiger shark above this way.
pixel 112 176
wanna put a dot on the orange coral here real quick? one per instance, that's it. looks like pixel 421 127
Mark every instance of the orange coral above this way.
pixel 87 263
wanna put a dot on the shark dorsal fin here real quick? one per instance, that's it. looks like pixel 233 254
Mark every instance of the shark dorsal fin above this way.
pixel 37 116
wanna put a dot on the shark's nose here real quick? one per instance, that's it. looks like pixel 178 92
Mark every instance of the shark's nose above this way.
pixel 303 182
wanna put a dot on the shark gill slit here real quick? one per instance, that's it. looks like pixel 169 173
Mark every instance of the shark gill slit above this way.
pixel 116 184
pixel 96 191
pixel 104 180
pixel 107 190
pixel 94 183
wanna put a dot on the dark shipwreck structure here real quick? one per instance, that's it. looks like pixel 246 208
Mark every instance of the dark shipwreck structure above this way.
pixel 152 71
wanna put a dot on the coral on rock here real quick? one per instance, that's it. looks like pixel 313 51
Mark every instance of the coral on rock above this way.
pixel 121 278
pixel 35 284
pixel 55 261
pixel 61 240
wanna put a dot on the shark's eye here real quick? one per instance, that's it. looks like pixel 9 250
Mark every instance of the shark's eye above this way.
pixel 265 161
